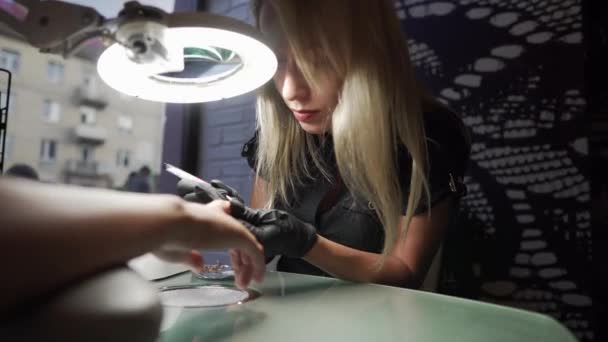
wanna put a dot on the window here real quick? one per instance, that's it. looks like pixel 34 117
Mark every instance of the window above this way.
pixel 125 123
pixel 123 158
pixel 86 153
pixel 90 83
pixel 51 111
pixel 55 71
pixel 10 60
pixel 80 145
pixel 88 115
pixel 48 150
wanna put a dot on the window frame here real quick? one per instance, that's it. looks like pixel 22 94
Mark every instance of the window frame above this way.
pixel 123 155
pixel 52 71
pixel 3 61
pixel 86 113
pixel 48 154
pixel 51 111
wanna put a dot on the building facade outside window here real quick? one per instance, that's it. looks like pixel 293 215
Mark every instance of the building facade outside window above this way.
pixel 50 93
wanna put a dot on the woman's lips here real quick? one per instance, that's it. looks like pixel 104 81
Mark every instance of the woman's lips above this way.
pixel 304 115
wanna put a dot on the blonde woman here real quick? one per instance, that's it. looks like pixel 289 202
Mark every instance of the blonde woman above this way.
pixel 348 152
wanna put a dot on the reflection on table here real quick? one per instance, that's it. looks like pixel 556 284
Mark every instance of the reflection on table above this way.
pixel 294 307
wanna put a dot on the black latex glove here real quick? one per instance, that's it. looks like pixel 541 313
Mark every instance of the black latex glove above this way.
pixel 278 231
pixel 204 193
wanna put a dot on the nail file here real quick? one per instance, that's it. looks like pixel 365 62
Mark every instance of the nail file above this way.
pixel 181 174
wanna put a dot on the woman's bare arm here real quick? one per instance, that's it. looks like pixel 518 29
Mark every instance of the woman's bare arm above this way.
pixel 406 266
pixel 258 193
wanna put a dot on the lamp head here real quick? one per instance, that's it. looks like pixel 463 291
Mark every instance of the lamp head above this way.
pixel 190 57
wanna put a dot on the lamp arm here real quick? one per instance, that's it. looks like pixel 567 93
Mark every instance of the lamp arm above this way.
pixel 62 28
pixel 53 26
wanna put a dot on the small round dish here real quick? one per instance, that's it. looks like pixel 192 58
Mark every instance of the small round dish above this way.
pixel 205 296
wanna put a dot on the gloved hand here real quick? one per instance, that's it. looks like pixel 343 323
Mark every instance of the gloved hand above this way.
pixel 278 231
pixel 204 193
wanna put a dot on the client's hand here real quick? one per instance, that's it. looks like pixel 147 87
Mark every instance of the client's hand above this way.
pixel 211 227
pixel 277 230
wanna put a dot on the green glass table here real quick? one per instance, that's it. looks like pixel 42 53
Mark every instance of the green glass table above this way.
pixel 294 307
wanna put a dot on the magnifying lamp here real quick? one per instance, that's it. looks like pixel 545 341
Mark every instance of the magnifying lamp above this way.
pixel 180 57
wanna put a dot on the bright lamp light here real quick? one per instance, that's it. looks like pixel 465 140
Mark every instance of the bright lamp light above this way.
pixel 222 58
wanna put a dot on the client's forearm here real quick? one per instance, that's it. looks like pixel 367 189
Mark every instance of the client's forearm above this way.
pixel 51 235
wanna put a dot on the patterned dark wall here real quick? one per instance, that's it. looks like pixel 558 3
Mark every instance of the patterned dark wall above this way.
pixel 514 70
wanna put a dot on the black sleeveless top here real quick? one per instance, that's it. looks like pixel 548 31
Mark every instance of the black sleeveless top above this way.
pixel 353 221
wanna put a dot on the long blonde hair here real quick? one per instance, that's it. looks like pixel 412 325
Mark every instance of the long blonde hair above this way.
pixel 379 107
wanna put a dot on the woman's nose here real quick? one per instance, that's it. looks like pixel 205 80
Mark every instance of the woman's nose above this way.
pixel 294 85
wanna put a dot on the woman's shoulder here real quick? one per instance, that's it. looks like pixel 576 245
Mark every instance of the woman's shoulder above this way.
pixel 448 147
pixel 446 135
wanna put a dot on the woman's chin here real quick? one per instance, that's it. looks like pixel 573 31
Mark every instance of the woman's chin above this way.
pixel 314 128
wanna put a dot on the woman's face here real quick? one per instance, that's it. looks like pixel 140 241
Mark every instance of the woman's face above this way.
pixel 312 108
